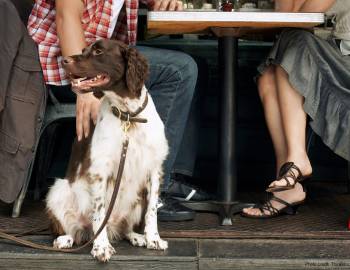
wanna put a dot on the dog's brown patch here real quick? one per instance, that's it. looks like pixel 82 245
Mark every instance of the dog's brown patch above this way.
pixel 111 180
pixel 80 155
pixel 125 67
pixel 82 236
pixel 143 202
pixel 136 72
pixel 99 207
pixel 55 225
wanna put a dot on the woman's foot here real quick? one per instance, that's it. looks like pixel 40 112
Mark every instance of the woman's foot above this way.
pixel 295 195
pixel 294 172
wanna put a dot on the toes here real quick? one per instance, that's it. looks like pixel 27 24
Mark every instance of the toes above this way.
pixel 274 184
pixel 64 241
pixel 157 244
pixel 278 183
pixel 252 211
pixel 138 241
pixel 102 253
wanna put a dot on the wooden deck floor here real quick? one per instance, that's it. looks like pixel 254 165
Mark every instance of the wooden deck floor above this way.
pixel 316 238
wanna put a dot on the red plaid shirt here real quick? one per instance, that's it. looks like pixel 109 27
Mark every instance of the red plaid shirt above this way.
pixel 96 19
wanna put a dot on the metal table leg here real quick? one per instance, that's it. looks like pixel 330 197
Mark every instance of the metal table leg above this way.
pixel 226 205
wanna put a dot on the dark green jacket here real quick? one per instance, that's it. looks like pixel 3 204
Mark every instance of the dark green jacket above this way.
pixel 22 101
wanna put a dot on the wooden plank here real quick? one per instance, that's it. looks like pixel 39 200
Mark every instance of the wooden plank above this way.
pixel 222 234
pixel 275 249
pixel 273 254
pixel 276 264
pixel 91 264
pixel 182 254
pixel 200 22
pixel 165 27
pixel 258 17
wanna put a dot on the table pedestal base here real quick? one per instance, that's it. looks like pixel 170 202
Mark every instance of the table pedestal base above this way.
pixel 225 210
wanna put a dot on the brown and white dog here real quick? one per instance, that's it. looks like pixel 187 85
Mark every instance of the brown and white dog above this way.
pixel 77 204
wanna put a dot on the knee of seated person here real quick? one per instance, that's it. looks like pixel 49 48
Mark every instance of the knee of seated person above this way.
pixel 266 83
pixel 299 38
pixel 186 65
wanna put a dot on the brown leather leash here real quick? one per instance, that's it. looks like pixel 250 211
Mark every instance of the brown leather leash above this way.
pixel 105 220
pixel 125 117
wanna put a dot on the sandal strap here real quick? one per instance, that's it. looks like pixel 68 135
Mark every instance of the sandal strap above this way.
pixel 267 206
pixel 272 211
pixel 289 174
pixel 284 169
pixel 286 178
pixel 280 201
pixel 295 167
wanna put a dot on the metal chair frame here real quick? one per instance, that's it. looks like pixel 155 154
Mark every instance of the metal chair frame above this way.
pixel 54 112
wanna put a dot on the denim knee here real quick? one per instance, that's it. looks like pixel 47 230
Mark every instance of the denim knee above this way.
pixel 187 69
pixel 186 65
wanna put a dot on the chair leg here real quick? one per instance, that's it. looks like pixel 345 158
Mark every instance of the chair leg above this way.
pixel 16 210
pixel 348 179
pixel 44 154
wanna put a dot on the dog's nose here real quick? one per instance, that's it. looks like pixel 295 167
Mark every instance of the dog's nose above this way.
pixel 67 60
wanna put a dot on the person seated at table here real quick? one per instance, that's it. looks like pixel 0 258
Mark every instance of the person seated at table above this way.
pixel 65 27
pixel 302 76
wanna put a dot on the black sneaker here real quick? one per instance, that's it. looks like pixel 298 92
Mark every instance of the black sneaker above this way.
pixel 171 210
pixel 180 190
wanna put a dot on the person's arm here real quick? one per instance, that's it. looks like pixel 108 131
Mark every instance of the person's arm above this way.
pixel 72 40
pixel 303 5
pixel 69 29
pixel 170 5
pixel 284 5
pixel 316 5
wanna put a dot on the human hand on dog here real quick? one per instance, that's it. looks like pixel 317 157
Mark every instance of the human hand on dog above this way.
pixel 170 5
pixel 87 110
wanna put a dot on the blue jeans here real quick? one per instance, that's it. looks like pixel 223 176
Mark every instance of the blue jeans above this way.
pixel 171 83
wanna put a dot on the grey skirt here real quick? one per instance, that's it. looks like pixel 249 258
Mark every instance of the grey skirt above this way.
pixel 321 74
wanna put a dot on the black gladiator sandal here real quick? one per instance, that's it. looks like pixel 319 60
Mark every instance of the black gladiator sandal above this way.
pixel 289 209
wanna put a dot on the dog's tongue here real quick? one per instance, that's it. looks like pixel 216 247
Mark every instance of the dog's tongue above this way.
pixel 88 83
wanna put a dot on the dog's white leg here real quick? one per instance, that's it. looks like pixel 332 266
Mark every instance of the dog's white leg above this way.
pixel 153 239
pixel 136 239
pixel 102 250
pixel 63 210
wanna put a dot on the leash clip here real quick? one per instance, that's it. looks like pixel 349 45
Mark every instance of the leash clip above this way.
pixel 127 124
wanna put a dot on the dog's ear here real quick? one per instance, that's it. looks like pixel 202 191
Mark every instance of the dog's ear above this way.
pixel 136 71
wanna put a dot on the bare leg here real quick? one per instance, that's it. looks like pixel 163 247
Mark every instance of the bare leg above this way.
pixel 270 99
pixel 268 94
pixel 294 124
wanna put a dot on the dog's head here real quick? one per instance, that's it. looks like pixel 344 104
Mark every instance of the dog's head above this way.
pixel 107 65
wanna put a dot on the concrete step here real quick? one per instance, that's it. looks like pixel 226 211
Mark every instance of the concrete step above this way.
pixel 206 254
pixel 182 254
pixel 284 254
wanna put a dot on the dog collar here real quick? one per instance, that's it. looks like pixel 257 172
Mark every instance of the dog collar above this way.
pixel 131 116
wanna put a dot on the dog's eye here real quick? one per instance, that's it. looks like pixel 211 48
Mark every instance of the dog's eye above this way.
pixel 97 52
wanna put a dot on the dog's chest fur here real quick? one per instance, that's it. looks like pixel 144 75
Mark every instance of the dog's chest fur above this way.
pixel 147 149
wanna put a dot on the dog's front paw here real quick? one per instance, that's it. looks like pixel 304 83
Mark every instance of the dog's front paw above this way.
pixel 156 242
pixel 102 253
pixel 64 241
pixel 138 240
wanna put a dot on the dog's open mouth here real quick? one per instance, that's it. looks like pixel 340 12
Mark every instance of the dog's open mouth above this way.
pixel 86 83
